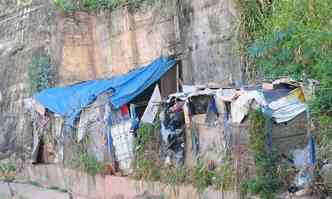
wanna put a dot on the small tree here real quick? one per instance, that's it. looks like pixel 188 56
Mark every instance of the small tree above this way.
pixel 8 175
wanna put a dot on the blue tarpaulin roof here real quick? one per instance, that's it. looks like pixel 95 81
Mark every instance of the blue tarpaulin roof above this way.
pixel 69 101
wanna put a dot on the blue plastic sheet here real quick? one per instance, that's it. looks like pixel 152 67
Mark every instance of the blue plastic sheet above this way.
pixel 69 101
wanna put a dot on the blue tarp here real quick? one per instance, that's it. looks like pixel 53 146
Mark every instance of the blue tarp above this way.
pixel 69 101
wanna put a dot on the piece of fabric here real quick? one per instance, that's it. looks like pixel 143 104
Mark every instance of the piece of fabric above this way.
pixel 212 113
pixel 152 108
pixel 124 110
pixel 241 106
pixel 35 147
pixel 89 117
pixel 134 120
pixel 108 120
pixel 311 151
pixel 300 158
pixel 268 127
pixel 227 133
pixel 227 95
pixel 69 101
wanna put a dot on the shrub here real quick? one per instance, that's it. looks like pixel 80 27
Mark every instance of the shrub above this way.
pixel 85 161
pixel 39 73
pixel 94 5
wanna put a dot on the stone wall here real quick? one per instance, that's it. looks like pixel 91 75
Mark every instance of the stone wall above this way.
pixel 83 186
pixel 24 31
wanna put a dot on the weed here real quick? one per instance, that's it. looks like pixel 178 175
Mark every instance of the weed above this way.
pixel 174 176
pixel 293 38
pixel 201 177
pixel 66 5
pixel 95 5
pixel 147 163
pixel 84 161
pixel 39 73
pixel 267 180
pixel 7 172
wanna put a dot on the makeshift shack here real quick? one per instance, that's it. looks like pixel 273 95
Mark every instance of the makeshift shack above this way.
pixel 217 125
pixel 106 111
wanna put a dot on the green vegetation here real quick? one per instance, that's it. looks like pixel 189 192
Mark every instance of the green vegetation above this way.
pixel 56 188
pixel 293 38
pixel 95 5
pixel 8 175
pixel 149 167
pixel 84 161
pixel 39 73
pixel 147 164
pixel 201 177
pixel 329 182
pixel 267 180
pixel 220 178
pixel 7 172
pixel 174 176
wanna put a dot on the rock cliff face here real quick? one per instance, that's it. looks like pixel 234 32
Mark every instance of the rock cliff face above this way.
pixel 86 46
pixel 201 32
pixel 24 31
pixel 208 35
pixel 106 44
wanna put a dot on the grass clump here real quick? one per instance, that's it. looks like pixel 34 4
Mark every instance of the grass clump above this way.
pixel 39 73
pixel 7 172
pixel 84 161
pixel 148 165
pixel 174 176
pixel 147 162
pixel 95 5
pixel 219 178
pixel 267 180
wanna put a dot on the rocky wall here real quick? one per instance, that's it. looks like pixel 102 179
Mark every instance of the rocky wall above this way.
pixel 24 31
pixel 106 44
pixel 208 36
pixel 201 34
